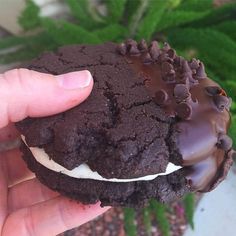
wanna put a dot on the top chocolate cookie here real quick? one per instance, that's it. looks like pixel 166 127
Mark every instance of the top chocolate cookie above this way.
pixel 148 107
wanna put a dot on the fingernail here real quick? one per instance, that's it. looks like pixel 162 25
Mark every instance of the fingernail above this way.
pixel 74 80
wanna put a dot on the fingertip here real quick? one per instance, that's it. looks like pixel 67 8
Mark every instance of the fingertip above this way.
pixel 71 89
pixel 74 80
pixel 26 93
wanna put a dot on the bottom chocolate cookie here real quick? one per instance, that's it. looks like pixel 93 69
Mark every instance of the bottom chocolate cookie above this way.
pixel 130 194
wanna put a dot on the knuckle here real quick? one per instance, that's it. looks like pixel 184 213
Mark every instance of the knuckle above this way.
pixel 16 78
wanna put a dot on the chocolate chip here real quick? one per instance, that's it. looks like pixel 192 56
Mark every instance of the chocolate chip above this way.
pixel 142 46
pixel 154 44
pixel 186 68
pixel 187 72
pixel 182 61
pixel 166 46
pixel 154 54
pixel 134 50
pixel 185 79
pixel 130 42
pixel 161 97
pixel 194 64
pixel 181 92
pixel 224 142
pixel 221 102
pixel 166 67
pixel 168 73
pixel 177 60
pixel 200 74
pixel 165 57
pixel 212 90
pixel 170 78
pixel 122 49
pixel 171 72
pixel 154 50
pixel 192 81
pixel 184 111
pixel 215 90
pixel 132 47
pixel 147 59
pixel 171 53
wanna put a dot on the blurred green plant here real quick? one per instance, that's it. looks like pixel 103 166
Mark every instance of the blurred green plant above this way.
pixel 189 204
pixel 195 28
pixel 160 211
pixel 129 221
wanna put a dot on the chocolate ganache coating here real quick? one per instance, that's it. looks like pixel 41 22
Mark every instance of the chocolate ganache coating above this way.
pixel 198 105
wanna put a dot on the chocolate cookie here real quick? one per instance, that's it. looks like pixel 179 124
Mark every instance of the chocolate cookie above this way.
pixel 154 126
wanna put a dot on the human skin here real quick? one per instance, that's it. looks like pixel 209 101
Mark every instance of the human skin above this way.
pixel 27 207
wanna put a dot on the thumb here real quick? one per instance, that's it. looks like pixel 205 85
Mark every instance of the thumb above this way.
pixel 25 93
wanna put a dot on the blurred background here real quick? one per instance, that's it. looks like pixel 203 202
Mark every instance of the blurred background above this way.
pixel 205 29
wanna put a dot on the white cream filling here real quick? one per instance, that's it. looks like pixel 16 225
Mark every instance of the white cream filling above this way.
pixel 83 171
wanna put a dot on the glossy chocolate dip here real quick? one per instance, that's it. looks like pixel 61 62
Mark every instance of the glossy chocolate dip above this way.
pixel 199 108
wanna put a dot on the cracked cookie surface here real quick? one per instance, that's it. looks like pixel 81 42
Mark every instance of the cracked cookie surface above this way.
pixel 118 131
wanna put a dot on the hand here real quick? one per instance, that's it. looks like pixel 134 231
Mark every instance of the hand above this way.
pixel 28 208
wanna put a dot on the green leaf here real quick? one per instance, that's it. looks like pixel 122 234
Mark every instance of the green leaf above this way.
pixel 233 107
pixel 217 15
pixel 29 18
pixel 232 130
pixel 129 222
pixel 130 10
pixel 64 33
pixel 207 44
pixel 175 3
pixel 115 10
pixel 113 33
pixel 213 76
pixel 17 56
pixel 11 42
pixel 153 15
pixel 227 27
pixel 189 206
pixel 159 210
pixel 196 5
pixel 177 18
pixel 79 9
pixel 30 40
pixel 134 21
pixel 29 47
pixel 82 12
pixel 147 220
